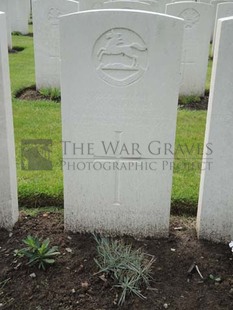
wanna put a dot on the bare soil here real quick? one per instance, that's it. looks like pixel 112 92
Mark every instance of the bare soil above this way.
pixel 202 105
pixel 31 94
pixel 16 49
pixel 72 283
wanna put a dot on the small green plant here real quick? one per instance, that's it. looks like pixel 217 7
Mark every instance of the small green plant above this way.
pixel 130 269
pixel 215 278
pixel 231 246
pixel 38 252
pixel 183 100
pixel 51 93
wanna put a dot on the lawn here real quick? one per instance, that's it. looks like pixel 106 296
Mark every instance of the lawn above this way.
pixel 42 120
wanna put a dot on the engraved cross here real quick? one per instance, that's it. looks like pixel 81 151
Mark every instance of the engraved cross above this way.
pixel 184 64
pixel 118 159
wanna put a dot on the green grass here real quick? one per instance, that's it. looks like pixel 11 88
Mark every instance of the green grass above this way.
pixel 35 211
pixel 208 78
pixel 22 70
pixel 42 120
pixel 39 120
pixel 186 178
pixel 183 100
pixel 51 94
pixel 35 120
pixel 209 70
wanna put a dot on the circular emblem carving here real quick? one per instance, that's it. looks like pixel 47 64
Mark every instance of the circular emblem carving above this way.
pixel 53 16
pixel 191 17
pixel 120 56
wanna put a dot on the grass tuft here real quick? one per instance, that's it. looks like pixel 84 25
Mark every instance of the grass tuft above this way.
pixel 130 269
pixel 53 94
pixel 183 100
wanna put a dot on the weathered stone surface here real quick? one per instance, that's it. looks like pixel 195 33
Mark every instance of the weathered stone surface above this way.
pixel 8 182
pixel 124 91
pixel 197 30
pixel 19 15
pixel 46 15
pixel 5 7
pixel 224 9
pixel 215 210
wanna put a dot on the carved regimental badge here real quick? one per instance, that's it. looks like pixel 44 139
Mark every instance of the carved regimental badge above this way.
pixel 191 17
pixel 120 56
pixel 53 16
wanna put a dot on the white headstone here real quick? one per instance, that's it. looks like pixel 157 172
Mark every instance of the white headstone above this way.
pixel 19 15
pixel 160 4
pixel 205 1
pixel 29 8
pixel 90 4
pixel 46 15
pixel 215 210
pixel 181 1
pixel 198 21
pixel 8 182
pixel 132 5
pixel 123 90
pixel 214 3
pixel 4 7
pixel 224 9
pixel 148 5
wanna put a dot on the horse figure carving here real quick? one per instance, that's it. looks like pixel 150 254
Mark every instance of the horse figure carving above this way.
pixel 117 46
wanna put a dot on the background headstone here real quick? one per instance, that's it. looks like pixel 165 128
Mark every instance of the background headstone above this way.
pixel 124 87
pixel 46 15
pixel 197 30
pixel 8 182
pixel 181 1
pixel 224 9
pixel 132 5
pixel 205 1
pixel 214 3
pixel 30 7
pixel 160 5
pixel 19 15
pixel 4 7
pixel 215 209
pixel 148 5
pixel 90 4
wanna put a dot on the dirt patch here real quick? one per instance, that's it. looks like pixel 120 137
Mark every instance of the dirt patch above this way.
pixel 201 105
pixel 17 33
pixel 37 201
pixel 60 287
pixel 16 49
pixel 32 94
pixel 30 34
